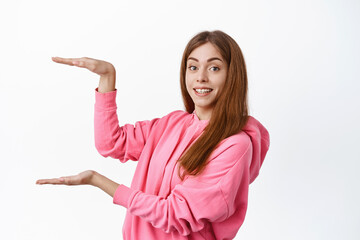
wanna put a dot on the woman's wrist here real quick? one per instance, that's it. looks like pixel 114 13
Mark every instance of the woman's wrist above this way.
pixel 107 81
pixel 102 182
pixel 94 180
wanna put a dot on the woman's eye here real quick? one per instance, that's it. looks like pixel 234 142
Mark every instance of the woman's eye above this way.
pixel 214 69
pixel 192 68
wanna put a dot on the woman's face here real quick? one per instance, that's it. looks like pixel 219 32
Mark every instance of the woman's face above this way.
pixel 206 73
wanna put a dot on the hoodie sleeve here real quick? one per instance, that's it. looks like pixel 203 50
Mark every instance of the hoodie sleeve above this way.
pixel 213 196
pixel 123 143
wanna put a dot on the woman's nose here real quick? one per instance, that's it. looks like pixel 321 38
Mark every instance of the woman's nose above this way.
pixel 202 76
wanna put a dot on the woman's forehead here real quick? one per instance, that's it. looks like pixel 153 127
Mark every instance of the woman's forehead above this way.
pixel 205 52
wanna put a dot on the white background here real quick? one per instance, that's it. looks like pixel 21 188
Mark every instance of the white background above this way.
pixel 303 68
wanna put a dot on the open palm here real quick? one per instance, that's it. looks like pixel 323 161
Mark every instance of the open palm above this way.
pixel 82 178
pixel 99 67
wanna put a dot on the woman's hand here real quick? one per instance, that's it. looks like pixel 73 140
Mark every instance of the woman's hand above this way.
pixel 105 70
pixel 88 177
pixel 82 178
pixel 94 65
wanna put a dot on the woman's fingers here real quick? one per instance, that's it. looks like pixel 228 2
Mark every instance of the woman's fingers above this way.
pixel 80 62
pixel 70 180
pixel 51 181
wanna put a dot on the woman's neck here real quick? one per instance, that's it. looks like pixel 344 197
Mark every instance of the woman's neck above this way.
pixel 203 114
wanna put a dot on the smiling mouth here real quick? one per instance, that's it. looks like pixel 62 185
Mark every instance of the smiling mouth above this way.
pixel 202 90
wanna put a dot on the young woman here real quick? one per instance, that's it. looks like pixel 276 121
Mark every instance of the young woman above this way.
pixel 195 166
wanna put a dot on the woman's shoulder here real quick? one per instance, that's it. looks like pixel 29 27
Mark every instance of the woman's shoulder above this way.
pixel 240 141
pixel 229 157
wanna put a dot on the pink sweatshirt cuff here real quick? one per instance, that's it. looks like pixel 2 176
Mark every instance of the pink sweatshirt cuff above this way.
pixel 105 101
pixel 122 195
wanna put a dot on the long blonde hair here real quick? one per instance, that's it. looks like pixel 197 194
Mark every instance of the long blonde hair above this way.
pixel 230 112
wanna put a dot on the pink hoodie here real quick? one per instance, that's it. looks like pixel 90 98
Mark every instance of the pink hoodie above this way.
pixel 159 205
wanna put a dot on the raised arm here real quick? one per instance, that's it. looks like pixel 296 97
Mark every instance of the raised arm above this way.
pixel 124 142
pixel 112 140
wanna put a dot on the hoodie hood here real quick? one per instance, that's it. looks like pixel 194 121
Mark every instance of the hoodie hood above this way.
pixel 260 141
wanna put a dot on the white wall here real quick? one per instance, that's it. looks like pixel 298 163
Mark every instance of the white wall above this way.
pixel 303 65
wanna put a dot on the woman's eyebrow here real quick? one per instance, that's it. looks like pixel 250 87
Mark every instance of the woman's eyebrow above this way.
pixel 209 60
pixel 213 59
